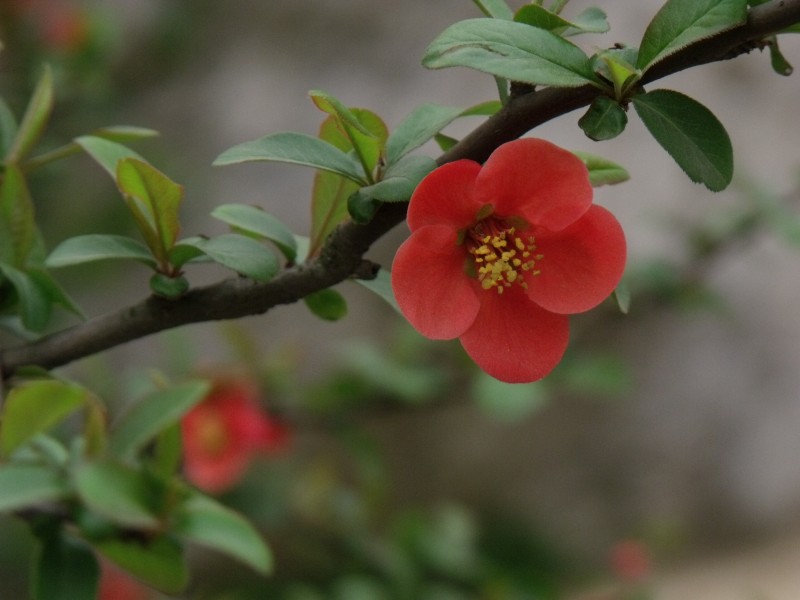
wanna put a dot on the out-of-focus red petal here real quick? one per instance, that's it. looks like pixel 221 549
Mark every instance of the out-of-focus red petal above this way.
pixel 536 180
pixel 515 340
pixel 582 264
pixel 445 197
pixel 430 285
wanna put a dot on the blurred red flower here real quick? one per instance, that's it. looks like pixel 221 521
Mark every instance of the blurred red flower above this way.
pixel 500 254
pixel 630 561
pixel 224 432
pixel 115 584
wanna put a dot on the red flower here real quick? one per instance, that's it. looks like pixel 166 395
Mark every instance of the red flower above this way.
pixel 223 433
pixel 630 561
pixel 500 254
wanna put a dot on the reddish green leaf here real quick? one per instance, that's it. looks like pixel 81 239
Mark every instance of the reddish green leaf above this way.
pixel 154 199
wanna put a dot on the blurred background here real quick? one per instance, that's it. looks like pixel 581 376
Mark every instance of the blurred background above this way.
pixel 660 459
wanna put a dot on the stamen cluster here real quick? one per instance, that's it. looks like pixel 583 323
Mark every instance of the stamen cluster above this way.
pixel 500 255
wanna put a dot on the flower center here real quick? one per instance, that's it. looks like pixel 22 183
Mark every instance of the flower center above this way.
pixel 212 435
pixel 501 255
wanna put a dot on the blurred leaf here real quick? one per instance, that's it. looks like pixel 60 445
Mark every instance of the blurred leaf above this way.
pixel 106 153
pixel 691 134
pixel 97 246
pixel 512 50
pixel 204 521
pixel 148 417
pixel 382 286
pixel 601 170
pixel 156 561
pixel 327 304
pixel 604 120
pixel 239 253
pixel 168 450
pixel 497 9
pixel 591 20
pixel 595 375
pixel 401 179
pixel 8 128
pixel 34 304
pixel 54 293
pixel 358 587
pixel 36 406
pixel 17 225
pixel 295 148
pixel 154 199
pixel 35 118
pixel 506 401
pixel 253 220
pixel 682 22
pixel 124 133
pixel 119 493
pixel 409 383
pixel 65 569
pixel 23 486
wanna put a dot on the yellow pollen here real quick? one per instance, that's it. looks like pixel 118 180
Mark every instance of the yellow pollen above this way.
pixel 501 256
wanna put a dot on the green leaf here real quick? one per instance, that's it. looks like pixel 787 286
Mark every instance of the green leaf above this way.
pixel 253 220
pixel 424 122
pixel 65 569
pixel 35 119
pixel 23 486
pixel 147 418
pixel 362 207
pixel 682 22
pixel 17 224
pixel 34 305
pixel 382 286
pixel 691 134
pixel 96 246
pixel 124 133
pixel 119 493
pixel 591 20
pixel 8 128
pixel 368 144
pixel 35 407
pixel 601 170
pixel 512 50
pixel 53 292
pixel 295 148
pixel 401 179
pixel 776 58
pixel 421 125
pixel 156 561
pixel 604 120
pixel 207 522
pixel 497 9
pixel 331 191
pixel 239 253
pixel 106 153
pixel 154 199
pixel 327 304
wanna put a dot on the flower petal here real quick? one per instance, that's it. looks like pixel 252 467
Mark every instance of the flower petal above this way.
pixel 430 285
pixel 536 180
pixel 445 197
pixel 513 339
pixel 582 264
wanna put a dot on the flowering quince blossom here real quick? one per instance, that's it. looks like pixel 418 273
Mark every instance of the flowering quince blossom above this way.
pixel 500 254
pixel 223 433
